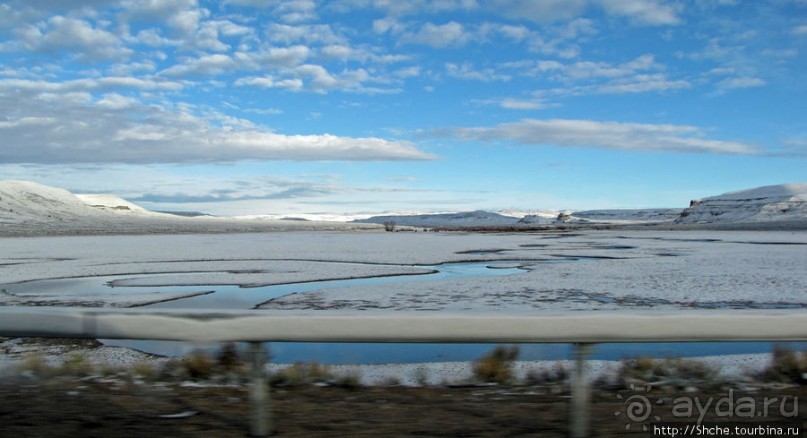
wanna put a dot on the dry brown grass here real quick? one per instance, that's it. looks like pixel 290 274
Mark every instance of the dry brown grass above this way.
pixel 496 366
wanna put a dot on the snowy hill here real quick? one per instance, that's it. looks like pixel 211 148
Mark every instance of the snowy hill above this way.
pixel 28 208
pixel 778 203
pixel 543 218
pixel 25 200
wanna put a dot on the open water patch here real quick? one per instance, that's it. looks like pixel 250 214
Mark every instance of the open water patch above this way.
pixel 240 296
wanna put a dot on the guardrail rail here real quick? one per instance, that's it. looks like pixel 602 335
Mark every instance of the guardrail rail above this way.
pixel 581 328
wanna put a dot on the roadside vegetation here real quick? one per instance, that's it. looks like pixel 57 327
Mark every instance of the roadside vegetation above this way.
pixel 228 366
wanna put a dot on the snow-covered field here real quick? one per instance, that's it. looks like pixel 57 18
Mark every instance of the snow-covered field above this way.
pixel 564 271
pixel 52 234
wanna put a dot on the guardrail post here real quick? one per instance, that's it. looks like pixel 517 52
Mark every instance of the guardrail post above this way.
pixel 581 393
pixel 260 417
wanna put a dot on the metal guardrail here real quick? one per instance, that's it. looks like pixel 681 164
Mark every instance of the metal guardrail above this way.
pixel 581 328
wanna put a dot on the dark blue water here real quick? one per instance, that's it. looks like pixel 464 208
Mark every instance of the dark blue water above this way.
pixel 375 353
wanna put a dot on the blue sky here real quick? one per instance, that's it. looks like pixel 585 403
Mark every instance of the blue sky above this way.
pixel 360 106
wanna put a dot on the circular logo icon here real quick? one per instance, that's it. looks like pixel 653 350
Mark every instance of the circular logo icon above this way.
pixel 637 408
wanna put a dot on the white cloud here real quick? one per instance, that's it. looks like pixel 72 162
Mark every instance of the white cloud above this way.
pixel 642 83
pixel 639 75
pixel 468 72
pixel 293 84
pixel 604 135
pixel 293 11
pixel 799 30
pixel 450 34
pixel 522 104
pixel 274 57
pixel 645 12
pixel 91 84
pixel 116 101
pixel 740 82
pixel 120 130
pixel 309 33
pixel 253 3
pixel 316 78
pixel 204 65
pixel 541 12
pixel 398 8
pixel 77 37
pixel 181 15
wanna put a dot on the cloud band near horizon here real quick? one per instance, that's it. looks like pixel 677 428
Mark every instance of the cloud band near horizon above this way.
pixel 609 135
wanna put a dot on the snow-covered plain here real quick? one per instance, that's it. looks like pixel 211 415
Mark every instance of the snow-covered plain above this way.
pixel 600 270
pixel 48 233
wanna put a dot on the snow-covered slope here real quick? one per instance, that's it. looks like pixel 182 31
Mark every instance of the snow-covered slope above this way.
pixel 28 208
pixel 784 202
pixel 113 203
pixel 25 200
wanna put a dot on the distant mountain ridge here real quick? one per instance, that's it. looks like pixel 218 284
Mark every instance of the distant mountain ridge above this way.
pixel 769 204
pixel 26 205
pixel 470 218
pixel 481 218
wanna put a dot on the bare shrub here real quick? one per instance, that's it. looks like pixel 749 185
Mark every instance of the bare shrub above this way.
pixel 496 366
pixel 144 370
pixel 669 371
pixel 302 374
pixel 556 374
pixel 228 359
pixel 349 380
pixel 198 365
pixel 36 364
pixel 76 365
pixel 786 366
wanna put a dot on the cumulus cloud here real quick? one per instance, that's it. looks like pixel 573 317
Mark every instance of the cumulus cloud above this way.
pixel 44 128
pixel 92 84
pixel 438 35
pixel 203 65
pixel 541 12
pixel 316 78
pixel 468 72
pixel 645 12
pixel 72 36
pixel 604 135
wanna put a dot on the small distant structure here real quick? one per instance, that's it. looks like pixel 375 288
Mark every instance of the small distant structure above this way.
pixel 564 217
pixel 389 226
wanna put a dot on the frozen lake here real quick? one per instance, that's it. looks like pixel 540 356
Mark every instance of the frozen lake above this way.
pixel 383 272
